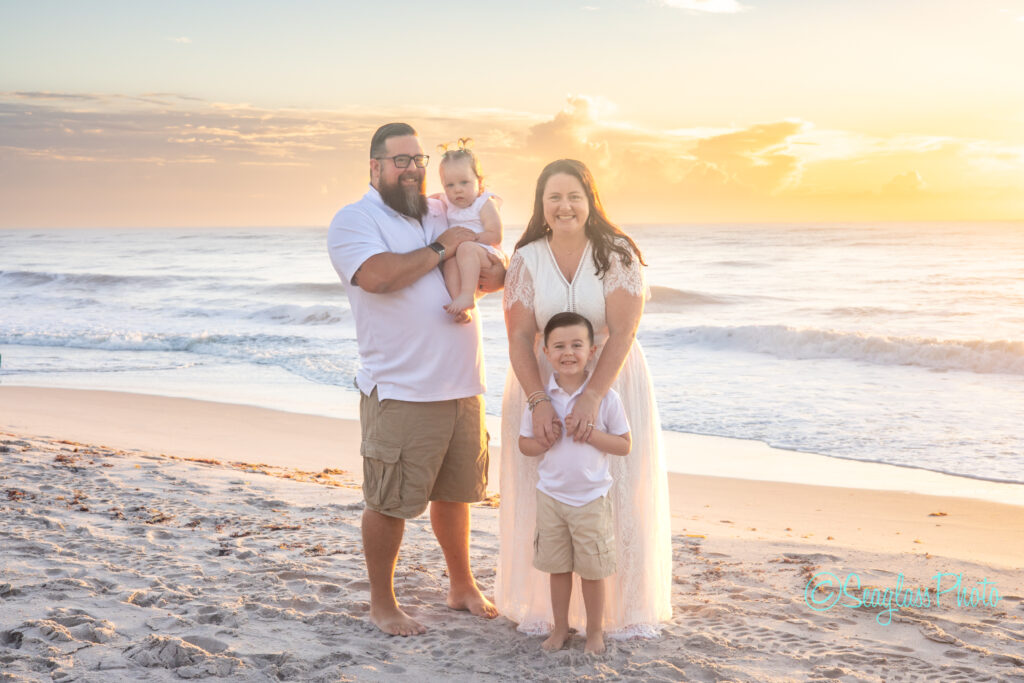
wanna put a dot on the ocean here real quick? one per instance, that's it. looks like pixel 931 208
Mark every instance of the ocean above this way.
pixel 900 343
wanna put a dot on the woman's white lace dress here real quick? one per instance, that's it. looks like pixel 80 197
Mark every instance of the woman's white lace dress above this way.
pixel 638 596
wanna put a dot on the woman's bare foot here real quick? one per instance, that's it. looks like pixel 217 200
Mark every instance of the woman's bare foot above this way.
pixel 472 601
pixel 555 641
pixel 595 644
pixel 396 622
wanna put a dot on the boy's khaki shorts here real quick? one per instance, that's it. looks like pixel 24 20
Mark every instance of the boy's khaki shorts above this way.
pixel 574 539
pixel 415 452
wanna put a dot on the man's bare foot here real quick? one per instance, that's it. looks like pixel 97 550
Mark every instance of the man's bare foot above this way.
pixel 472 601
pixel 555 641
pixel 396 622
pixel 595 644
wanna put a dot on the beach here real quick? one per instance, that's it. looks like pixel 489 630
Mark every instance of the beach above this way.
pixel 154 538
pixel 796 228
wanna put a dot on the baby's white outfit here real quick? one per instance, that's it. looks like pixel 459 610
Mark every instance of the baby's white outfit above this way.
pixel 469 217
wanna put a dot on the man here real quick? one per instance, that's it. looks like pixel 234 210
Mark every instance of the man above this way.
pixel 421 375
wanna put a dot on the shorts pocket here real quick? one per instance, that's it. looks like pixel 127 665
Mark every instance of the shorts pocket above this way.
pixel 597 559
pixel 382 475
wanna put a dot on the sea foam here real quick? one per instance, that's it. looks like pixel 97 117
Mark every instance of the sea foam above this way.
pixel 972 355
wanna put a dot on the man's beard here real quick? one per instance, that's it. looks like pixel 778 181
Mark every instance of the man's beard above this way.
pixel 409 201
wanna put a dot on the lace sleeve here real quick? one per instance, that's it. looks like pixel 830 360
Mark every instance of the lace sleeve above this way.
pixel 629 278
pixel 518 284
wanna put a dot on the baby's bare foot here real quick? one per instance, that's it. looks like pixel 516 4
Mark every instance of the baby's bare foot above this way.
pixel 555 641
pixel 460 303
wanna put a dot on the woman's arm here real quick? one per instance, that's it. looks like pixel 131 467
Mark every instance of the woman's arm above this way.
pixel 490 219
pixel 622 311
pixel 522 334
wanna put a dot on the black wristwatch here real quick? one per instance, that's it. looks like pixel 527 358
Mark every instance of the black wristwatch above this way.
pixel 439 248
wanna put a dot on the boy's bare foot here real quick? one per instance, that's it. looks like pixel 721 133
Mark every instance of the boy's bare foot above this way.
pixel 472 601
pixel 555 641
pixel 595 644
pixel 396 622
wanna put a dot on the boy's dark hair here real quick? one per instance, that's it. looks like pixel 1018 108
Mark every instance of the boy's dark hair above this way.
pixel 568 319
pixel 388 130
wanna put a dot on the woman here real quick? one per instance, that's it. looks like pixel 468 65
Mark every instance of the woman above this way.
pixel 572 258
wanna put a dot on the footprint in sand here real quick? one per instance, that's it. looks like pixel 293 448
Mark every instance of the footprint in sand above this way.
pixel 812 558
pixel 358 585
pixel 167 623
pixel 159 535
pixel 99 632
pixel 211 614
pixel 11 639
pixel 268 503
pixel 211 645
pixel 186 659
pixel 831 672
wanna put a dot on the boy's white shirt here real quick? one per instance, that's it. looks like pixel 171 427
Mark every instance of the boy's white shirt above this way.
pixel 572 472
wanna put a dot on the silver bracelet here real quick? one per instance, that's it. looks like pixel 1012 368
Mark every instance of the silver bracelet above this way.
pixel 533 404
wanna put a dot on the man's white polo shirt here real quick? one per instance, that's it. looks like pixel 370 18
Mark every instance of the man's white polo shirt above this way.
pixel 409 347
pixel 572 472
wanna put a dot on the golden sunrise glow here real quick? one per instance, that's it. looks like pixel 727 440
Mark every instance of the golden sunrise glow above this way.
pixel 747 116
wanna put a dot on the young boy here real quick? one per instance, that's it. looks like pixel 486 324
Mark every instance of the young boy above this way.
pixel 574 517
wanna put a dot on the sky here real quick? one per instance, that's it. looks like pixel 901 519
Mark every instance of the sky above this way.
pixel 260 113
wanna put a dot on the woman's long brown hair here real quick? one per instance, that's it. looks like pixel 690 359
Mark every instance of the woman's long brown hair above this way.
pixel 602 233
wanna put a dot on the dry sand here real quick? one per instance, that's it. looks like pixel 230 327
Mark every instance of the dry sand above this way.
pixel 135 544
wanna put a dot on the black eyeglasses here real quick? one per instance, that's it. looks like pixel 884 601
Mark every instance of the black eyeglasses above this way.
pixel 402 160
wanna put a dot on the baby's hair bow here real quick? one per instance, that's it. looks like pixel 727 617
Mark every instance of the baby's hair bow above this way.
pixel 462 145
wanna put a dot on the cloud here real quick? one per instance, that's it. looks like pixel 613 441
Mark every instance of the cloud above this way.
pixel 709 6
pixel 115 128
pixel 786 169
pixel 105 100
pixel 757 157
pixel 168 159
pixel 181 39
pixel 905 185
pixel 195 160
pixel 38 95
pixel 654 174
pixel 574 132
